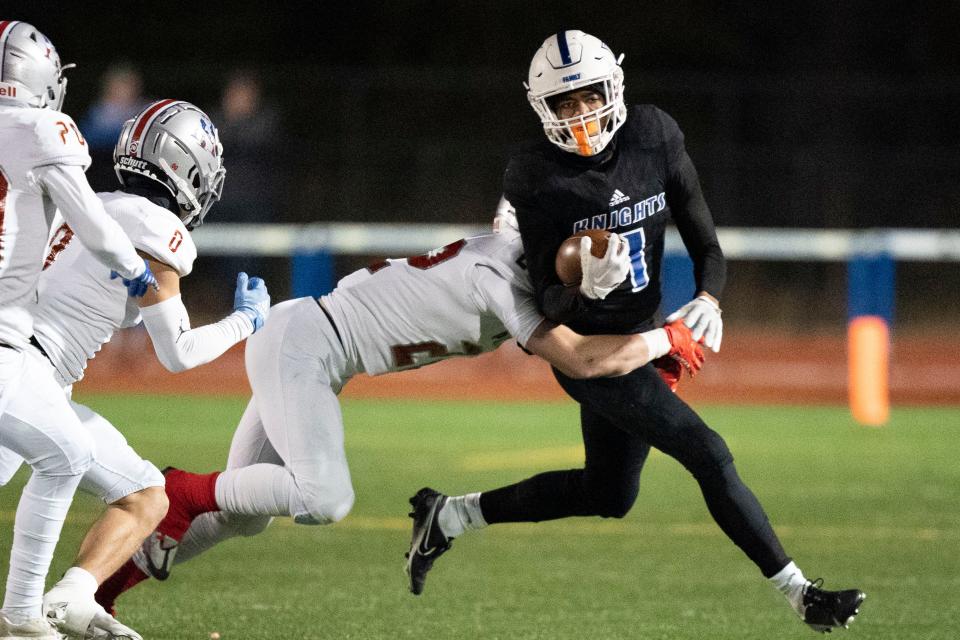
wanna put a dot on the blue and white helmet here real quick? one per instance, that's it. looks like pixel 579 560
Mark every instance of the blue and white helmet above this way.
pixel 30 69
pixel 568 61
pixel 175 144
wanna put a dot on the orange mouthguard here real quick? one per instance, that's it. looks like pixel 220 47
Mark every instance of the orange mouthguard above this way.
pixel 582 134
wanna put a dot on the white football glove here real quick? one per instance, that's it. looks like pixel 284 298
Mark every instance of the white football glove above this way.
pixel 702 317
pixel 603 275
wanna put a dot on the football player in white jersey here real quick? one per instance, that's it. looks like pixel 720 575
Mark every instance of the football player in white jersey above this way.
pixel 170 162
pixel 42 162
pixel 287 456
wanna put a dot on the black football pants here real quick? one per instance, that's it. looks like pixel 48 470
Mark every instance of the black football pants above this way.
pixel 621 418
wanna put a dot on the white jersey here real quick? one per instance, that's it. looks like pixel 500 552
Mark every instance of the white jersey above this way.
pixel 29 138
pixel 80 306
pixel 462 299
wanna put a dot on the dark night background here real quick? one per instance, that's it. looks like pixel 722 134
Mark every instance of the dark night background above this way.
pixel 801 114
pixel 818 113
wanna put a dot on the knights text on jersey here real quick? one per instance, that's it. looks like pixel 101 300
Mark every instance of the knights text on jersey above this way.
pixel 29 138
pixel 80 306
pixel 643 180
pixel 462 299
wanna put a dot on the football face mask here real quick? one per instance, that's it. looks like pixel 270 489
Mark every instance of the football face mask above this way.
pixel 567 62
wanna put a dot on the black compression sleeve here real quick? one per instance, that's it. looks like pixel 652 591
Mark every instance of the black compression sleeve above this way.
pixel 695 224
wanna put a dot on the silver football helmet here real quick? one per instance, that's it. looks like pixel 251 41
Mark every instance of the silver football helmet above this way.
pixel 568 61
pixel 30 69
pixel 505 218
pixel 174 143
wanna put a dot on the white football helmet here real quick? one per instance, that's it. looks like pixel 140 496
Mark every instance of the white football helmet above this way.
pixel 174 143
pixel 568 61
pixel 30 69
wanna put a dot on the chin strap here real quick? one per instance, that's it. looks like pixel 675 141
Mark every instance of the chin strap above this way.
pixel 182 186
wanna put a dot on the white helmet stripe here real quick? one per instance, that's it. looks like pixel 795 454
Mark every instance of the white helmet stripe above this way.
pixel 144 121
pixel 6 26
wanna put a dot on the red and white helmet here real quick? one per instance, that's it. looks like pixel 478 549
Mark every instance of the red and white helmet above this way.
pixel 30 69
pixel 568 61
pixel 175 144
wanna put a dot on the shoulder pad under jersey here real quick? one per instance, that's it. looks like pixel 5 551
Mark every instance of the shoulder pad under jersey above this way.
pixel 153 230
pixel 57 140
pixel 651 126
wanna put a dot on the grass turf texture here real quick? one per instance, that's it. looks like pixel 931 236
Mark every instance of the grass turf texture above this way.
pixel 874 508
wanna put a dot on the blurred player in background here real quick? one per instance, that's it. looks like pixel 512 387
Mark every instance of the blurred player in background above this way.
pixel 287 456
pixel 605 167
pixel 42 162
pixel 169 161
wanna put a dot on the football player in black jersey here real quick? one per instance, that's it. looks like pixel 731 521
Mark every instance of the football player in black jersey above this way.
pixel 627 171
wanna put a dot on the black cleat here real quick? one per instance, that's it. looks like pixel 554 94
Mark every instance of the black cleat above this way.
pixel 826 610
pixel 428 542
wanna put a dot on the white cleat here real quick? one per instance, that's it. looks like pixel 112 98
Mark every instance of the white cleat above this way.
pixel 155 556
pixel 81 618
pixel 106 627
pixel 32 628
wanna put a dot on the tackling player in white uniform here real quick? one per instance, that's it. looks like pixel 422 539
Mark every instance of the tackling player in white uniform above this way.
pixel 287 456
pixel 79 311
pixel 42 162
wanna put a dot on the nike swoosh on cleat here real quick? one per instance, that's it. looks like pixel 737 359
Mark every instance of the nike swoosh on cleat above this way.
pixel 161 572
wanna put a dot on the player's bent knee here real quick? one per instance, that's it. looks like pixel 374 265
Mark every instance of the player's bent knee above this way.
pixel 249 526
pixel 148 506
pixel 705 453
pixel 611 495
pixel 616 504
pixel 326 509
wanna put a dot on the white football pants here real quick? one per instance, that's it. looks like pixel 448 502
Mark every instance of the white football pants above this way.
pixel 116 472
pixel 38 425
pixel 287 456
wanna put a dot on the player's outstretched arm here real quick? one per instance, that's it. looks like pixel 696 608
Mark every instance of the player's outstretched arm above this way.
pixel 67 187
pixel 180 347
pixel 580 356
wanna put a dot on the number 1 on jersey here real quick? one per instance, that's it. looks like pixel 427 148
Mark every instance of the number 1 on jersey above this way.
pixel 638 259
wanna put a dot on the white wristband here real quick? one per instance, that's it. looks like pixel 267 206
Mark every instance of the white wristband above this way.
pixel 658 343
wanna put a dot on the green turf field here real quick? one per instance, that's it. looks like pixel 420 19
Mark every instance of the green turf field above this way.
pixel 874 508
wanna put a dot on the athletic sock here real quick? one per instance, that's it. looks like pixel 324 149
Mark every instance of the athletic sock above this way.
pixel 123 579
pixel 790 582
pixel 78 579
pixel 190 494
pixel 460 513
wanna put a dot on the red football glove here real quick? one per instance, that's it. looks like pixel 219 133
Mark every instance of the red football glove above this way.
pixel 684 353
pixel 670 370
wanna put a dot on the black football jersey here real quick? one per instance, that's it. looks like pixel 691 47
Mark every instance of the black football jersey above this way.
pixel 642 180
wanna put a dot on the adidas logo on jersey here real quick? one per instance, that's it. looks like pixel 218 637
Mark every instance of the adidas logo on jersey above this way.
pixel 618 198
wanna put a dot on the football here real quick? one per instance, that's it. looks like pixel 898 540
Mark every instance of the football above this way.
pixel 568 255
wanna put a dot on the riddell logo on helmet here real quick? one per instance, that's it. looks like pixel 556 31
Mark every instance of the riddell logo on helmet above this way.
pixel 8 91
pixel 575 76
